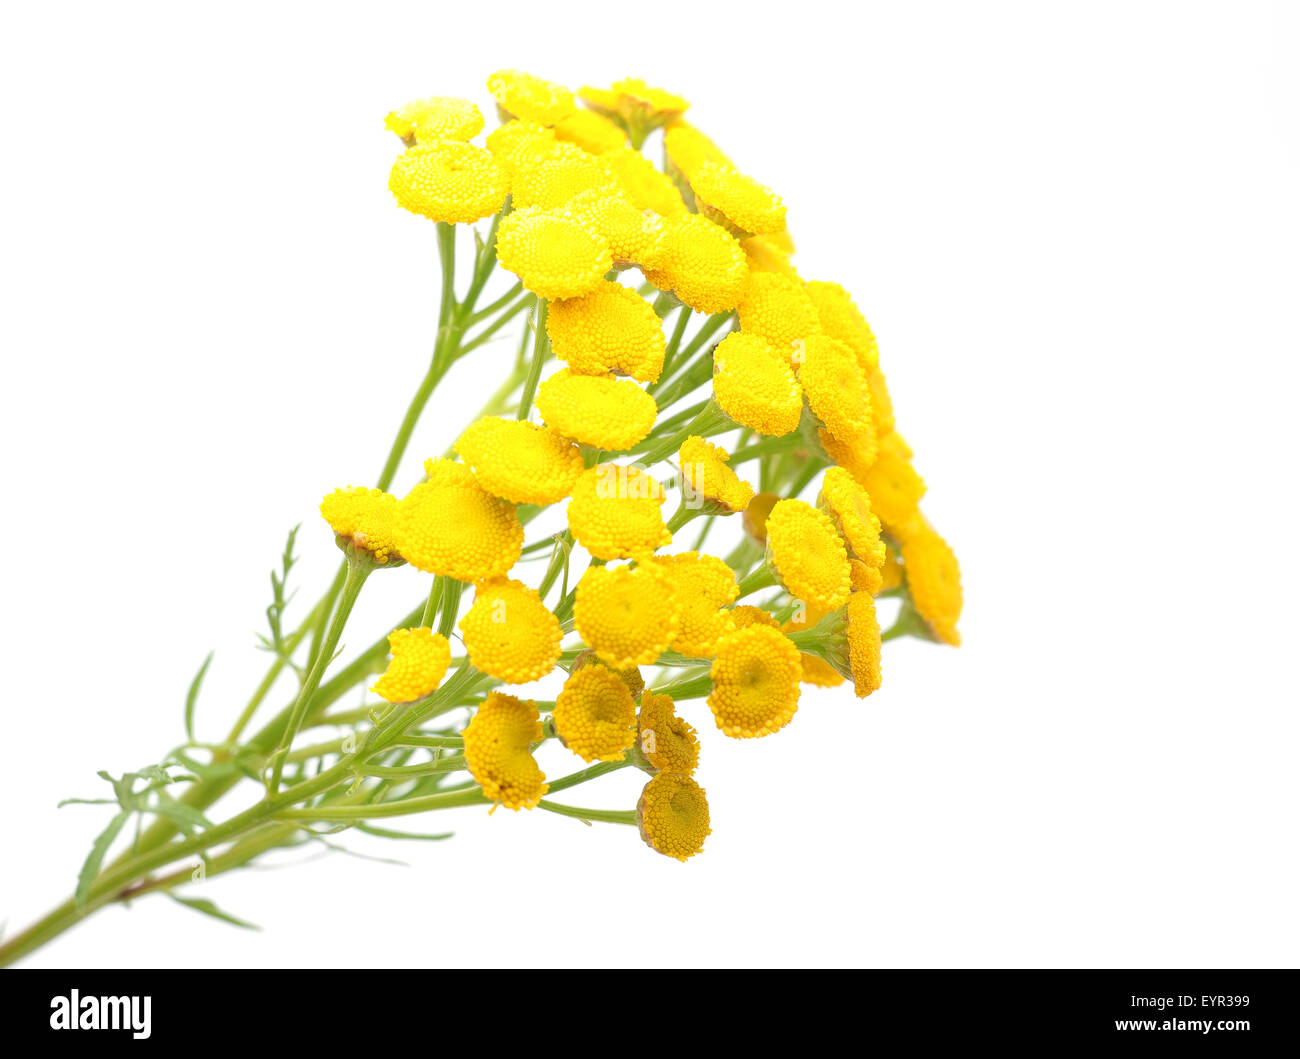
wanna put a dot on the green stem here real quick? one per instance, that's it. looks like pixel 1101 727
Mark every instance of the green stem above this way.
pixel 605 816
pixel 541 346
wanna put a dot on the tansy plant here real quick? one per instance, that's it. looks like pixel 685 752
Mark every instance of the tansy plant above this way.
pixel 677 381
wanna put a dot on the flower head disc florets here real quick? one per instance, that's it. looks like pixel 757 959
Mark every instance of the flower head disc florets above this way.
pixel 366 519
pixel 498 751
pixel 420 661
pixel 553 255
pixel 754 385
pixel 627 615
pixel 509 633
pixel 615 512
pixel 756 677
pixel 520 461
pixel 611 328
pixel 438 118
pixel 595 716
pixel 446 180
pixel 602 411
pixel 807 554
pixel 668 742
pixel 673 814
pixel 532 98
pixel 451 525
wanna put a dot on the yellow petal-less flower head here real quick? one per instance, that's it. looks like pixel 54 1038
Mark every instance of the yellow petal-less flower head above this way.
pixel 420 661
pixel 754 385
pixel 627 615
pixel 703 586
pixel 841 319
pixel 855 453
pixel 518 144
pixel 807 554
pixel 439 118
pixel 895 490
pixel 637 106
pixel 891 574
pixel 816 671
pixel 686 149
pixel 520 461
pixel 767 253
pixel 523 95
pixel 609 329
pixel 673 815
pixel 869 579
pixel 498 751
pixel 366 519
pixel 591 131
pixel 553 255
pixel 451 525
pixel 882 405
pixel 630 676
pixel 605 412
pixel 739 203
pixel 705 474
pixel 850 506
pixel 849 641
pixel 777 309
pixel 634 235
pixel 744 617
pixel 509 633
pixel 615 512
pixel 446 180
pixel 756 677
pixel 550 178
pixel 701 262
pixel 648 187
pixel 595 715
pixel 934 582
pixel 835 387
pixel 668 742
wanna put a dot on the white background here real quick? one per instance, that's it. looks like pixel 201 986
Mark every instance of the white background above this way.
pixel 1074 230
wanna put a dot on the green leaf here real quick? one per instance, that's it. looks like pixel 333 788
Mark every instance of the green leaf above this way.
pixel 383 832
pixel 202 904
pixel 95 858
pixel 186 816
pixel 86 801
pixel 192 696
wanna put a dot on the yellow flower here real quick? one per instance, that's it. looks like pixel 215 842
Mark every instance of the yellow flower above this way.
pixel 767 254
pixel 498 751
pixel 509 633
pixel 609 329
pixel 598 410
pixel 881 405
pixel 668 742
pixel 934 582
pixel 705 474
pixel 627 615
pixel 595 716
pixel 855 454
pixel 744 617
pixel 520 461
pixel 615 512
pixel 451 525
pixel 895 490
pixel 649 188
pixel 420 661
pixel 754 385
pixel 591 132
pixel 739 203
pixel 835 387
pixel 850 506
pixel 686 149
pixel 636 104
pixel 553 255
pixel 523 95
pixel 864 578
pixel 891 575
pixel 841 320
pixel 778 310
pixel 630 676
pixel 755 682
pixel 864 644
pixel 518 144
pixel 673 815
pixel 366 518
pixel 816 671
pixel 447 180
pixel 634 236
pixel 700 262
pixel 702 586
pixel 439 118
pixel 553 176
pixel 807 554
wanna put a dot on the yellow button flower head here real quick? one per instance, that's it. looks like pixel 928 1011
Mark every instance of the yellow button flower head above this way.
pixel 864 578
pixel 705 474
pixel 673 815
pixel 850 506
pixel 634 236
pixel 591 132
pixel 739 203
pixel 835 387
pixel 640 107
pixel 498 751
pixel 551 177
pixel 451 525
pixel 864 644
pixel 895 490
pixel 595 716
pixel 520 461
pixel 523 95
pixel 855 454
pixel 703 585
pixel 420 661
pixel 365 518
pixel 648 187
pixel 744 617
pixel 934 581
pixel 816 671
pixel 807 554
pixel 700 262
pixel 553 255
pixel 630 676
pixel 777 308
pixel 615 512
pixel 686 149
pixel 668 742
pixel 754 385
pixel 881 404
pixel 627 615
pixel 509 633
pixel 517 144
pixel 841 319
pixel 447 180
pixel 891 574
pixel 439 118
pixel 766 253
pixel 609 329
pixel 755 682
pixel 598 410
